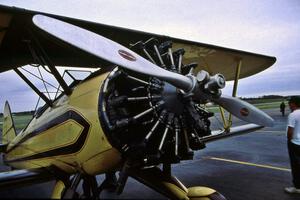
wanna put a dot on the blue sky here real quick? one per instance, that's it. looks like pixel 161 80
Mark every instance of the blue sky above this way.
pixel 270 27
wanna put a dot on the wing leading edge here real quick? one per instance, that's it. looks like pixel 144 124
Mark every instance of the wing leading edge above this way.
pixel 16 29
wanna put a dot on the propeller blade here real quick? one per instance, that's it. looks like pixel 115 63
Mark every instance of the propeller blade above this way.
pixel 244 110
pixel 107 49
pixel 113 52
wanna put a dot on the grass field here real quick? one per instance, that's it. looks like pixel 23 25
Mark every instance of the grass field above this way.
pixel 22 120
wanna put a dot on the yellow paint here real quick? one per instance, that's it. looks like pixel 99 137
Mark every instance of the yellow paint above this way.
pixel 8 131
pixel 225 125
pixel 102 162
pixel 250 164
pixel 96 148
pixel 180 184
pixel 236 78
pixel 175 190
pixel 199 191
pixel 235 86
pixel 222 60
pixel 58 190
pixel 53 136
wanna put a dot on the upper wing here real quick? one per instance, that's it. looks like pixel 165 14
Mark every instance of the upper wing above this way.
pixel 17 33
pixel 16 29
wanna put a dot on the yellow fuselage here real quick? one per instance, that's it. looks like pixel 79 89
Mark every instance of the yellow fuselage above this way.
pixel 67 135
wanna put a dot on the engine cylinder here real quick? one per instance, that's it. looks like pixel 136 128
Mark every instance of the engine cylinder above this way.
pixel 151 121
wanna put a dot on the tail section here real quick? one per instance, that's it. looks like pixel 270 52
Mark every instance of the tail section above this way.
pixel 9 131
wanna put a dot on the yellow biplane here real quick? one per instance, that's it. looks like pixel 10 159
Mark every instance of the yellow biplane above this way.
pixel 140 112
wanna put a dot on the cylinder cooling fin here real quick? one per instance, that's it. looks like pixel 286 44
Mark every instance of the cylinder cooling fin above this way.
pixel 148 120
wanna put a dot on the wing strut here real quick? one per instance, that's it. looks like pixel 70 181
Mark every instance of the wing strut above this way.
pixel 47 61
pixel 227 123
pixel 41 58
pixel 42 95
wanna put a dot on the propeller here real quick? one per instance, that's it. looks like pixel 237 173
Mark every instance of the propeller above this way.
pixel 113 52
pixel 107 49
pixel 240 109
pixel 244 110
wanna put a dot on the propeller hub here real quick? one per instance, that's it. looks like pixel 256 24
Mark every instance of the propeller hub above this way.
pixel 172 98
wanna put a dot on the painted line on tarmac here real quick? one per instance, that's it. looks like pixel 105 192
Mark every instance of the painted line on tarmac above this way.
pixel 250 164
pixel 272 131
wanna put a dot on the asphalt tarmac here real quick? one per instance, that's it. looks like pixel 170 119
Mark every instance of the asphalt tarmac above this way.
pixel 253 166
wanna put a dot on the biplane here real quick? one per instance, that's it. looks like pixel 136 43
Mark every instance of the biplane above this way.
pixel 141 111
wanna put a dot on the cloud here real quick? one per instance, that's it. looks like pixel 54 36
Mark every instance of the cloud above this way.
pixel 267 27
pixel 283 80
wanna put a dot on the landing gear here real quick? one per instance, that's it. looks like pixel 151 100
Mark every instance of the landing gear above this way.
pixel 83 186
pixel 171 187
pixel 110 183
pixel 80 186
